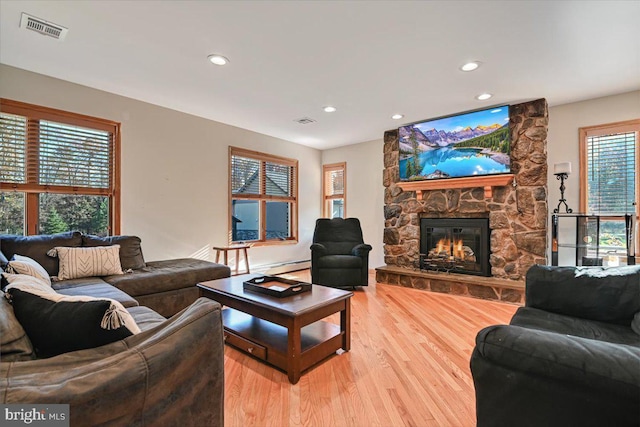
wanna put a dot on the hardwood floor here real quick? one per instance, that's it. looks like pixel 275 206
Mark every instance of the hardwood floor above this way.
pixel 408 366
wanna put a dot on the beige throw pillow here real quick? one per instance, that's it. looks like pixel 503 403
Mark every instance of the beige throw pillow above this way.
pixel 87 262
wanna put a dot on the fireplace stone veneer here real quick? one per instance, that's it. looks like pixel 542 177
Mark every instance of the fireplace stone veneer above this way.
pixel 517 213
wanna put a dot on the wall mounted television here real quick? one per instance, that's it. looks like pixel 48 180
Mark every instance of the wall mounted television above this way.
pixel 463 145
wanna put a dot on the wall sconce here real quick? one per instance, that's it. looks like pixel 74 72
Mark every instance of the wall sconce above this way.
pixel 562 171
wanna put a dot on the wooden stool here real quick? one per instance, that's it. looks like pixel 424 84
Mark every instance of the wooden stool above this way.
pixel 236 248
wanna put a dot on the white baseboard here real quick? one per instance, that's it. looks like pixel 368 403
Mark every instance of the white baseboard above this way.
pixel 285 267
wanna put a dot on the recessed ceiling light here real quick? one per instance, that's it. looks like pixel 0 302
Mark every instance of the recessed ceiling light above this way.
pixel 470 66
pixel 483 96
pixel 218 59
pixel 397 116
pixel 329 109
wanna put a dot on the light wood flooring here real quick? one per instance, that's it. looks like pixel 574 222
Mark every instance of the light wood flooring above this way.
pixel 408 366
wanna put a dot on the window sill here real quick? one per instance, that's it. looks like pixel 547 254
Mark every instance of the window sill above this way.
pixel 254 243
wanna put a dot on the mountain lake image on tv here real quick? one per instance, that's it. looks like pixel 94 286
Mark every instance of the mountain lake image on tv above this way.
pixel 468 144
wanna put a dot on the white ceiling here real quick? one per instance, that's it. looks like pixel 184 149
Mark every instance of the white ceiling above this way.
pixel 369 59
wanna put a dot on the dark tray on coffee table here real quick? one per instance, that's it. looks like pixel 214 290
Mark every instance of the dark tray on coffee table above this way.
pixel 275 286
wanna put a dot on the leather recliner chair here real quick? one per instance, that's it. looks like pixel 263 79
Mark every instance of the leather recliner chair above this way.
pixel 339 256
pixel 569 357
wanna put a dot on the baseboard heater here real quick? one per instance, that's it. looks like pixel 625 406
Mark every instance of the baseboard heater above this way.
pixel 286 267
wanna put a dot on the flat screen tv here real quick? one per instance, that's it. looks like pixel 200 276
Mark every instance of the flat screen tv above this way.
pixel 462 145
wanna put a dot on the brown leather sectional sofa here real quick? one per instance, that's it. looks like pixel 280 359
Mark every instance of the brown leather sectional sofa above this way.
pixel 172 373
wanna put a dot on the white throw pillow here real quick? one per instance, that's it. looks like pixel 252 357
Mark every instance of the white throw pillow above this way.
pixel 28 283
pixel 24 265
pixel 87 262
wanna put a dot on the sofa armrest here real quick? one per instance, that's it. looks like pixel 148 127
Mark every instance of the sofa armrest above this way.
pixel 361 250
pixel 597 293
pixel 178 365
pixel 530 378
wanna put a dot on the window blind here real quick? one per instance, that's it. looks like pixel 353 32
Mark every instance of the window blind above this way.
pixel 245 175
pixel 74 156
pixel 336 183
pixel 611 173
pixel 13 134
pixel 278 179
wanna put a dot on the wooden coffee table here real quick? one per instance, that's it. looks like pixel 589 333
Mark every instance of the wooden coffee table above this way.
pixel 288 333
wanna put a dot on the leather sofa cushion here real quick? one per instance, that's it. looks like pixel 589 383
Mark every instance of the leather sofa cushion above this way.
pixel 145 317
pixel 605 294
pixel 130 248
pixel 534 318
pixel 14 343
pixel 340 261
pixel 36 247
pixel 162 276
pixel 93 287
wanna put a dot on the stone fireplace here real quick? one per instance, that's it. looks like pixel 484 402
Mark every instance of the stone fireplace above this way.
pixel 515 208
pixel 455 245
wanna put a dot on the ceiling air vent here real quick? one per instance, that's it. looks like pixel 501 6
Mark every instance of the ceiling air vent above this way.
pixel 305 120
pixel 43 27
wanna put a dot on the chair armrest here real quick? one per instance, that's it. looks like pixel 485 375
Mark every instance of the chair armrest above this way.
pixel 597 293
pixel 566 358
pixel 178 364
pixel 361 249
pixel 318 249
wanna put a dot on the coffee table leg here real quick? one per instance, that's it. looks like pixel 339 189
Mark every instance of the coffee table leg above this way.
pixel 345 325
pixel 294 349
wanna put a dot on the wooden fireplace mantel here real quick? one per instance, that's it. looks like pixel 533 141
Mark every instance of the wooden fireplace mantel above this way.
pixel 488 182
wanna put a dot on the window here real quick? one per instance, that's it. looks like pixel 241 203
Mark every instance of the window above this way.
pixel 59 171
pixel 263 197
pixel 334 193
pixel 609 179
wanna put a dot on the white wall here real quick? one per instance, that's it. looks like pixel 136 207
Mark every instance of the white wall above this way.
pixel 365 193
pixel 562 144
pixel 175 169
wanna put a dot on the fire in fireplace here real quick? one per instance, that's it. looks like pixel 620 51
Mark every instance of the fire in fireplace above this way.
pixel 458 245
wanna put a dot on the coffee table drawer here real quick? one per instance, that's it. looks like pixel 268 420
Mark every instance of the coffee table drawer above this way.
pixel 245 345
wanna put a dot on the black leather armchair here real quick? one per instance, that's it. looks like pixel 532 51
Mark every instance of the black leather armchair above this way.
pixel 569 357
pixel 339 256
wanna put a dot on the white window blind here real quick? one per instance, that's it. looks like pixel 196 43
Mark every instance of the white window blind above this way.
pixel 611 173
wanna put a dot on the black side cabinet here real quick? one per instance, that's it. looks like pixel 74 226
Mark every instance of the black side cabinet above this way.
pixel 598 238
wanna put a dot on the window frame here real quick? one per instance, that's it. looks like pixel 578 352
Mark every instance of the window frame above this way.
pixel 326 183
pixel 263 198
pixel 608 129
pixel 32 188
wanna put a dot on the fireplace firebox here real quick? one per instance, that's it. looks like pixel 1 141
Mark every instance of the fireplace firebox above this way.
pixel 456 245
